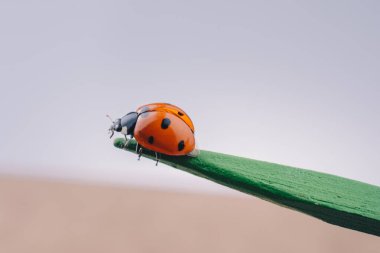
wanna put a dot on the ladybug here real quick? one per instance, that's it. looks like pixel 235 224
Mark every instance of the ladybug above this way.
pixel 161 127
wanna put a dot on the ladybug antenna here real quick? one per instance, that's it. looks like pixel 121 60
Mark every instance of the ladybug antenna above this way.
pixel 110 118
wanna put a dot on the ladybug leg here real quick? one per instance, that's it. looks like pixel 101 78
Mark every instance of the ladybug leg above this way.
pixel 126 141
pixel 140 153
pixel 157 159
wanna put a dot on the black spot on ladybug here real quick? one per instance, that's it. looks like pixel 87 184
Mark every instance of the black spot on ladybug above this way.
pixel 181 145
pixel 165 123
pixel 180 114
pixel 151 139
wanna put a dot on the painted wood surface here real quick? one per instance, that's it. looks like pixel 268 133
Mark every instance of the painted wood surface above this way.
pixel 336 200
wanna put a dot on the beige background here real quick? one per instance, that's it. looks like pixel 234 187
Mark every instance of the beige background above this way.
pixel 42 216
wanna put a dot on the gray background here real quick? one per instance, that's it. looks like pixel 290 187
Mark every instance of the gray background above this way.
pixel 292 82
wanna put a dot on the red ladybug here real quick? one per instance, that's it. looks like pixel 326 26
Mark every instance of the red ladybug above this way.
pixel 160 127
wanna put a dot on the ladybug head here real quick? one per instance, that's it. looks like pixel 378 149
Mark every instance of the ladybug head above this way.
pixel 116 126
pixel 125 125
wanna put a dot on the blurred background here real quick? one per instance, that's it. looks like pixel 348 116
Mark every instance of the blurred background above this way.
pixel 290 82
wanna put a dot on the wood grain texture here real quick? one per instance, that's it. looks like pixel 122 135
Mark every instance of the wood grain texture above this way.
pixel 336 200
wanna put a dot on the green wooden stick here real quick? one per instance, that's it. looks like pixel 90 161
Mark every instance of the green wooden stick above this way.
pixel 336 200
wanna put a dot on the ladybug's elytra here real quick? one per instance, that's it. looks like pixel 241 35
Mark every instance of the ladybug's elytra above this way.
pixel 160 127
